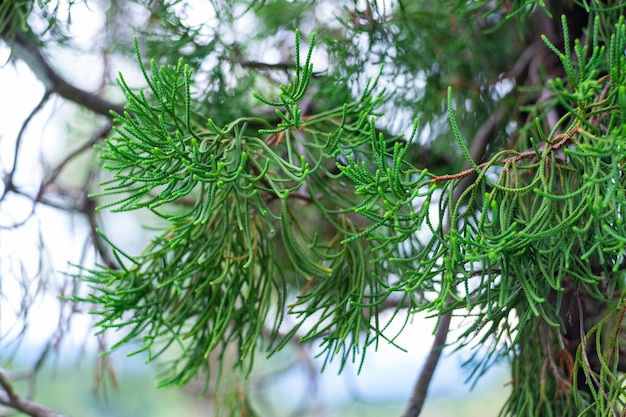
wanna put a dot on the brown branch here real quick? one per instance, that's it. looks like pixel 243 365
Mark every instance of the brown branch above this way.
pixel 559 141
pixel 100 134
pixel 283 66
pixel 11 399
pixel 9 186
pixel 30 53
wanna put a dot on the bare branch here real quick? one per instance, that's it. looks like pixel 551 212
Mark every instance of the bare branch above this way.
pixel 12 400
pixel 100 134
pixel 33 57
pixel 8 177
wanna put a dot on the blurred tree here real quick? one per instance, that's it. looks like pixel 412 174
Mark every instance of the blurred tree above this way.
pixel 299 184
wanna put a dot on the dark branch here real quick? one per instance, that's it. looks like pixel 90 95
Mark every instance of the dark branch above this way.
pixel 8 178
pixel 11 399
pixel 284 66
pixel 100 134
pixel 30 54
pixel 9 185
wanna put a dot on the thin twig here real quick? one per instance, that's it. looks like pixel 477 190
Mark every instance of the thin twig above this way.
pixel 559 141
pixel 100 134
pixel 8 178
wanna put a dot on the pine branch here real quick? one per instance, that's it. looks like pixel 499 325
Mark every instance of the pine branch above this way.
pixel 478 148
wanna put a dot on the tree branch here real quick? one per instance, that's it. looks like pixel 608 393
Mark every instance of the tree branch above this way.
pixel 11 399
pixel 23 48
pixel 100 134
pixel 8 177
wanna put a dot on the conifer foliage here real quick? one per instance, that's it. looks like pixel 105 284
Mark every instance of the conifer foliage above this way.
pixel 298 201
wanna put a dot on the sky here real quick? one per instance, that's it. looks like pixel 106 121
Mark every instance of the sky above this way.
pixel 388 374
